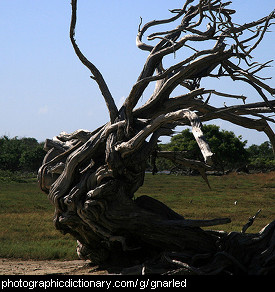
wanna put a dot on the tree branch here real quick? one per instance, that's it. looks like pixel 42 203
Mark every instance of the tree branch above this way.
pixel 133 144
pixel 97 76
pixel 178 158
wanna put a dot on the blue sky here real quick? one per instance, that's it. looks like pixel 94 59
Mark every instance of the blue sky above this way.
pixel 44 89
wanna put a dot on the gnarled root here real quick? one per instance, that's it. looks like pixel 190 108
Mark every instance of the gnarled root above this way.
pixel 92 188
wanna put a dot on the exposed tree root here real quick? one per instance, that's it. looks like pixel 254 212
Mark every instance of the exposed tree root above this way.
pixel 91 177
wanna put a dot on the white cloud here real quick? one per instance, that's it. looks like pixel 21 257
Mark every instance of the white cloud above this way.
pixel 43 110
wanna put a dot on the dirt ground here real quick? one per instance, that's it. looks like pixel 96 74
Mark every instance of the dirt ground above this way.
pixel 51 267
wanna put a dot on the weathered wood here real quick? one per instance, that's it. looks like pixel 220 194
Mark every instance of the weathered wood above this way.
pixel 250 221
pixel 134 143
pixel 97 76
pixel 179 159
pixel 91 177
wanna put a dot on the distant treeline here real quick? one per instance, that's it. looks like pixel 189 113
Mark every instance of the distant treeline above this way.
pixel 26 154
pixel 261 157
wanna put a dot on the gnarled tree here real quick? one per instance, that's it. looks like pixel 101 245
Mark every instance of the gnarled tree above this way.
pixel 91 177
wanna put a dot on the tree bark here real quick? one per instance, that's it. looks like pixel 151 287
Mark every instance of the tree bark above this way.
pixel 91 177
pixel 96 204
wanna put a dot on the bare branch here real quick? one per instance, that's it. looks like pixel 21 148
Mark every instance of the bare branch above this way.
pixel 178 158
pixel 96 73
pixel 142 31
pixel 251 77
pixel 126 148
pixel 250 221
pixel 91 177
pixel 225 94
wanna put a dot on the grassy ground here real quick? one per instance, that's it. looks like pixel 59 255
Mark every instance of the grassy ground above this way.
pixel 191 197
pixel 27 231
pixel 26 225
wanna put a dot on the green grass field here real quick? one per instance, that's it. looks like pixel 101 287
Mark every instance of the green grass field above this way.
pixel 26 225
pixel 27 231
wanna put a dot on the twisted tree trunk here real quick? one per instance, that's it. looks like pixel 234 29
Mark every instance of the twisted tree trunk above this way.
pixel 91 177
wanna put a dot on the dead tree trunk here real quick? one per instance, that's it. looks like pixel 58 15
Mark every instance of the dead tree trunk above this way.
pixel 91 177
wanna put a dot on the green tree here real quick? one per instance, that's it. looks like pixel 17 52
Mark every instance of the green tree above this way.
pixel 261 156
pixel 229 150
pixel 10 153
pixel 31 159
pixel 24 154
